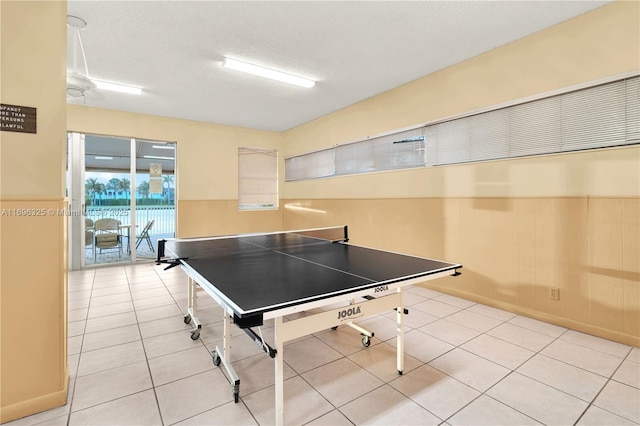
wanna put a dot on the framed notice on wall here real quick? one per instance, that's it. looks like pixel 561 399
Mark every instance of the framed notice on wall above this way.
pixel 17 118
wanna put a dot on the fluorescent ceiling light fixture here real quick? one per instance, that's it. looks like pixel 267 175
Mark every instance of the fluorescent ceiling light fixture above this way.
pixel 157 157
pixel 118 87
pixel 163 147
pixel 99 157
pixel 267 73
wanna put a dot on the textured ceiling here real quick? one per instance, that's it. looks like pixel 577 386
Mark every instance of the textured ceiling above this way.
pixel 354 50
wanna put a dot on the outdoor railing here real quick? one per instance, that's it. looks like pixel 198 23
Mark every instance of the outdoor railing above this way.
pixel 164 216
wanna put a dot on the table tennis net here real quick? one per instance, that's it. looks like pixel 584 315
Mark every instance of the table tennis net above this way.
pixel 181 248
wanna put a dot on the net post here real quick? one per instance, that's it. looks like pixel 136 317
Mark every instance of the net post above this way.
pixel 160 251
pixel 346 234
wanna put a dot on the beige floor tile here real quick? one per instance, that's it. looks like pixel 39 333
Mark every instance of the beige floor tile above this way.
pixel 454 301
pixel 345 339
pixel 421 346
pixel 478 322
pixel 179 365
pixel 596 343
pixel 397 409
pixel 498 351
pixel 628 373
pixel 110 357
pixel 227 414
pixel 621 399
pixel 74 344
pixel 488 411
pixel 77 314
pixel 449 332
pixel 110 337
pixel 110 321
pixel 193 395
pixel 137 409
pixel 258 372
pixel 538 326
pixel 598 417
pixel 165 344
pixel 440 394
pixel 470 369
pixel 634 355
pixel 435 308
pixel 411 298
pixel 580 356
pixel 565 377
pixel 110 299
pixel 342 381
pixel 301 403
pixel 159 312
pixel 78 294
pixel 76 328
pixel 332 418
pixel 78 304
pixel 111 309
pixel 415 318
pixel 163 326
pixel 122 288
pixel 154 292
pixel 210 315
pixel 520 336
pixel 384 328
pixel 153 302
pixel 537 400
pixel 488 311
pixel 308 354
pixel 381 361
pixel 105 386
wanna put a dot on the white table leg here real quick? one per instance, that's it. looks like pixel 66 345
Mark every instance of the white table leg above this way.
pixel 400 333
pixel 279 377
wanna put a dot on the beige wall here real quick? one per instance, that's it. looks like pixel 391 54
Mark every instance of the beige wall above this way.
pixel 33 354
pixel 206 161
pixel 518 226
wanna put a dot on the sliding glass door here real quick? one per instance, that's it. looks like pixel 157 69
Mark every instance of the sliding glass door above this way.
pixel 124 190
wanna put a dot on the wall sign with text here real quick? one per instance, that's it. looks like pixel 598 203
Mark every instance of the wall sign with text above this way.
pixel 16 118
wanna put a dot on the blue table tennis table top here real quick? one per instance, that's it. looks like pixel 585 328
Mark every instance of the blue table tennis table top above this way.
pixel 258 273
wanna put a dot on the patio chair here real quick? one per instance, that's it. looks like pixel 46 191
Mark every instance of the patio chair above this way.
pixel 144 235
pixel 107 235
pixel 88 233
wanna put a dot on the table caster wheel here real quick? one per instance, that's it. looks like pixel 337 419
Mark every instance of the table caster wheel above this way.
pixel 334 328
pixel 187 319
pixel 366 341
pixel 236 397
pixel 216 359
pixel 195 335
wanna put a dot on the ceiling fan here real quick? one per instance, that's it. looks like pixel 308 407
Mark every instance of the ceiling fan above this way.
pixel 78 81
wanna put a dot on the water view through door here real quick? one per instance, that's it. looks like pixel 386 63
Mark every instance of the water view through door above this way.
pixel 127 187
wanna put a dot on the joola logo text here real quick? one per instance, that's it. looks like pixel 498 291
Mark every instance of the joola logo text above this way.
pixel 381 289
pixel 346 313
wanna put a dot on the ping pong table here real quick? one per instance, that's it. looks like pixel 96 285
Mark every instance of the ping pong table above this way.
pixel 263 276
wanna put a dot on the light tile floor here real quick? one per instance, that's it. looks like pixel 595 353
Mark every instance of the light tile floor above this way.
pixel 132 362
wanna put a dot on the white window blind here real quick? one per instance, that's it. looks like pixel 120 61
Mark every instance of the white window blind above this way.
pixel 257 178
pixel 309 166
pixel 596 117
pixel 395 151
pixel 600 116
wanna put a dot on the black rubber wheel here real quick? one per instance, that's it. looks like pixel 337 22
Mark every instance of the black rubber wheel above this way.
pixel 216 360
pixel 366 342
pixel 187 319
pixel 236 397
pixel 334 328
pixel 195 335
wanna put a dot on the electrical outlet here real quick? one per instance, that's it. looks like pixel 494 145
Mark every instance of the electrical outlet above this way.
pixel 554 293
